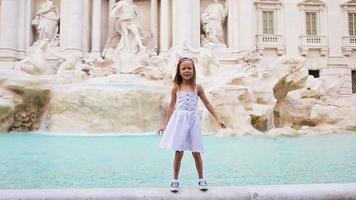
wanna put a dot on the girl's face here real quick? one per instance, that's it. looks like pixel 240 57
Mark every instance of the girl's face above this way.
pixel 186 70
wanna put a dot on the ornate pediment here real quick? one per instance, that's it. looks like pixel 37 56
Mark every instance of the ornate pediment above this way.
pixel 268 3
pixel 349 5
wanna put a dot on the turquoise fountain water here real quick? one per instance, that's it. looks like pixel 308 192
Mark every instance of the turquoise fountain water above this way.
pixel 43 161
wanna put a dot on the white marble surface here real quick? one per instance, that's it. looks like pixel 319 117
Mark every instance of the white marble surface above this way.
pixel 286 192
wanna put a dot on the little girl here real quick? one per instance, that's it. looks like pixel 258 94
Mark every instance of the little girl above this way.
pixel 181 127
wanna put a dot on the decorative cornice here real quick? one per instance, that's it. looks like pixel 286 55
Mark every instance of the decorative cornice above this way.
pixel 267 3
pixel 349 4
pixel 312 3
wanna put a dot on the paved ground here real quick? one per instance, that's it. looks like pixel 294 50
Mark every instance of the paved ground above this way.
pixel 314 191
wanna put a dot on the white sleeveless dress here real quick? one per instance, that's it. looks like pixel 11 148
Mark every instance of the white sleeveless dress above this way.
pixel 183 131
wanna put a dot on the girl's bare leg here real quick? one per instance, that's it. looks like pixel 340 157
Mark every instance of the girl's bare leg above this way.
pixel 176 163
pixel 198 163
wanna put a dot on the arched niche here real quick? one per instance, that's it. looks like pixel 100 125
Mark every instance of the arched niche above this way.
pixel 204 5
pixel 35 6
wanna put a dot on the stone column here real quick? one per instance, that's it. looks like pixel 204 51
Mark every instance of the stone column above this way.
pixel 195 18
pixel 96 28
pixel 280 21
pixel 72 25
pixel 29 16
pixel 154 23
pixel 345 24
pixel 180 17
pixel 303 22
pixel 165 26
pixel 183 22
pixel 233 25
pixel 259 21
pixel 292 34
pixel 247 26
pixel 322 24
pixel 86 25
pixel 21 23
pixel 330 30
pixel 111 21
pixel 9 29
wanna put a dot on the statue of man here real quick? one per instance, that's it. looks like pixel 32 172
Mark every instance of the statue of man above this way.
pixel 212 20
pixel 46 21
pixel 126 24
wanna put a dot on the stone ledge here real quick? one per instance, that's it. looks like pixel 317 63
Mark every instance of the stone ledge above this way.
pixel 308 191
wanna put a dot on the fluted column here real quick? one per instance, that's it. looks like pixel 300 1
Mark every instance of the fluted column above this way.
pixel 165 26
pixel 9 29
pixel 96 28
pixel 154 23
pixel 71 25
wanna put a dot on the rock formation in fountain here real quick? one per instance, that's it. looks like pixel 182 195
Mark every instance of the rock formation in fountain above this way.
pixel 250 98
pixel 21 107
pixel 304 102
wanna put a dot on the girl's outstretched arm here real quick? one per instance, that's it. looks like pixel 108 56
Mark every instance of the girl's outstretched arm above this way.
pixel 208 106
pixel 169 110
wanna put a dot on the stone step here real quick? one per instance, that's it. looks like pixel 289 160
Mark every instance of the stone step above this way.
pixel 306 191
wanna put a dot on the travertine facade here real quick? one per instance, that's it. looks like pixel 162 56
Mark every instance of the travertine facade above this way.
pixel 322 31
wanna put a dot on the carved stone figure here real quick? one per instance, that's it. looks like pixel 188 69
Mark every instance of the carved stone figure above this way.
pixel 251 59
pixel 207 61
pixel 212 20
pixel 126 24
pixel 35 63
pixel 266 72
pixel 46 21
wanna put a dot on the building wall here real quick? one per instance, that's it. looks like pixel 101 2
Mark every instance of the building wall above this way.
pixel 178 20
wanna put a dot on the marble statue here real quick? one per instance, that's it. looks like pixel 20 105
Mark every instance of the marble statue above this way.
pixel 212 20
pixel 207 62
pixel 46 21
pixel 126 24
pixel 35 63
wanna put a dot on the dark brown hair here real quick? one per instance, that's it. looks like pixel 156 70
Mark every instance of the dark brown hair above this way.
pixel 178 79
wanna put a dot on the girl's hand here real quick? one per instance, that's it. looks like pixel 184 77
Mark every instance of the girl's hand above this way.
pixel 222 125
pixel 161 130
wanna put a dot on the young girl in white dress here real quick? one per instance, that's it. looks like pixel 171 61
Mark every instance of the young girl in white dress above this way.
pixel 181 129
